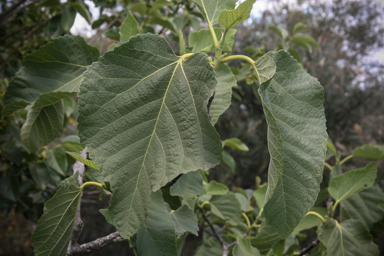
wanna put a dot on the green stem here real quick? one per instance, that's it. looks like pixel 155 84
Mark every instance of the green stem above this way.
pixel 247 219
pixel 246 58
pixel 328 166
pixel 90 183
pixel 346 159
pixel 213 35
pixel 186 55
pixel 317 215
pixel 202 205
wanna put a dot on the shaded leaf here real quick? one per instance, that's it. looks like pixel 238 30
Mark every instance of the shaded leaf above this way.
pixel 42 126
pixel 181 43
pixel 244 204
pixel 245 248
pixel 278 30
pixel 82 8
pixel 223 92
pixel 150 123
pixel 54 228
pixel 298 27
pixel 370 151
pixel 157 236
pixel 266 68
pixel 235 143
pixel 50 73
pixel 293 106
pixel 349 238
pixel 352 182
pixel 185 221
pixel 229 19
pixel 364 206
pixel 210 247
pixel 266 237
pixel 57 160
pixel 40 174
pixel 215 188
pixel 226 207
pixel 68 16
pixel 211 8
pixel 188 186
pixel 310 221
pixel 87 162
pixel 259 195
pixel 129 28
pixel 201 41
pixel 228 160
pixel 9 187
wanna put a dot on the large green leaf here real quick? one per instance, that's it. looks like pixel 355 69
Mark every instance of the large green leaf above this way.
pixel 350 183
pixel 211 8
pixel 157 236
pixel 42 126
pixel 293 106
pixel 266 238
pixel 54 228
pixel 143 116
pixel 50 74
pixel 223 92
pixel 370 151
pixel 226 207
pixel 229 19
pixel 364 206
pixel 201 41
pixel 350 238
pixel 244 248
pixel 185 221
pixel 129 28
pixel 210 247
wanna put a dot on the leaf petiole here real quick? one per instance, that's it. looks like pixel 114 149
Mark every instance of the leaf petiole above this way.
pixel 90 183
pixel 246 58
pixel 346 159
pixel 317 215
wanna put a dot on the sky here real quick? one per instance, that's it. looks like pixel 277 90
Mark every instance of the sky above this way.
pixel 82 27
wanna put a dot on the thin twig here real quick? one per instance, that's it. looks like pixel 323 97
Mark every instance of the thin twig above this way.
pixel 309 248
pixel 215 234
pixel 96 244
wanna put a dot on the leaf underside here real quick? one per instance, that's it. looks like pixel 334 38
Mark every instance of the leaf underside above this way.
pixel 143 116
pixel 293 106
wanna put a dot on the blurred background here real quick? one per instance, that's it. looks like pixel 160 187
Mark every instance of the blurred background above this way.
pixel 349 63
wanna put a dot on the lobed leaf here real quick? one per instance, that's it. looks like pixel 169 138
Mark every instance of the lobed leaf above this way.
pixel 54 228
pixel 352 182
pixel 143 116
pixel 49 74
pixel 229 19
pixel 293 106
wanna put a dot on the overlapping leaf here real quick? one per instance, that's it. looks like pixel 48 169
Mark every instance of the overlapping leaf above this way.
pixel 226 207
pixel 42 126
pixel 202 41
pixel 143 116
pixel 185 220
pixel 54 229
pixel 350 238
pixel 157 236
pixel 129 28
pixel 229 19
pixel 87 162
pixel 293 106
pixel 350 183
pixel 266 238
pixel 50 74
pixel 244 248
pixel 211 8
pixel 188 187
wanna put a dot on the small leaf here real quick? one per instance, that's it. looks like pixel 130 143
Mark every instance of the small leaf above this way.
pixel 129 28
pixel 202 41
pixel 83 9
pixel 188 186
pixel 42 126
pixel 40 174
pixel 331 146
pixel 259 195
pixel 266 68
pixel 211 8
pixel 215 188
pixel 228 160
pixel 293 106
pixel 157 236
pixel 295 54
pixel 139 7
pixel 298 27
pixel 54 228
pixel 223 92
pixel 310 221
pixel 185 221
pixel 226 207
pixel 229 19
pixel 57 160
pixel 349 238
pixel 364 206
pixel 370 151
pixel 244 203
pixel 112 46
pixel 305 41
pixel 278 30
pixel 68 16
pixel 235 143
pixel 152 103
pixel 52 73
pixel 87 162
pixel 245 248
pixel 352 182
